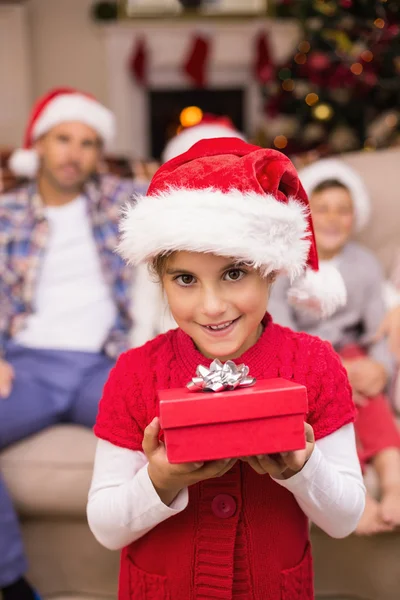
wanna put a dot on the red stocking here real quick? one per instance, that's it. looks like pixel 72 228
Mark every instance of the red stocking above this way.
pixel 263 65
pixel 138 62
pixel 196 63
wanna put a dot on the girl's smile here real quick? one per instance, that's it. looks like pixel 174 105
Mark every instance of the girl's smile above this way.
pixel 221 329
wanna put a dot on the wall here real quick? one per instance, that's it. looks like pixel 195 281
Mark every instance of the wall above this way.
pixel 14 74
pixel 66 46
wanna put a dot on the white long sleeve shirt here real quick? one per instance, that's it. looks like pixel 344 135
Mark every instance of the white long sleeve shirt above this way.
pixel 123 504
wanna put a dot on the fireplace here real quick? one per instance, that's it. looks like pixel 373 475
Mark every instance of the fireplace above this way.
pixel 146 114
pixel 165 106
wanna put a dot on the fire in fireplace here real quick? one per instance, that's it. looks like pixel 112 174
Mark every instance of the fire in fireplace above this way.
pixel 166 105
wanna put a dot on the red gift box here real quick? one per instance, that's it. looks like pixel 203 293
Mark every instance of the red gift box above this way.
pixel 263 419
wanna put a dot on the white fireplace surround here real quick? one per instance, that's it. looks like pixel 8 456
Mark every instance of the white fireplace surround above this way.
pixel 168 42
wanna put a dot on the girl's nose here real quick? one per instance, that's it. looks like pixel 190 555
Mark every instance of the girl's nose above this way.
pixel 213 303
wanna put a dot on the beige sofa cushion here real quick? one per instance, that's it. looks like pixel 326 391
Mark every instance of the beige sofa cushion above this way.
pixel 49 474
pixel 379 171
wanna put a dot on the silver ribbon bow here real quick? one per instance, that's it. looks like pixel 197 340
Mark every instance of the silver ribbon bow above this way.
pixel 220 377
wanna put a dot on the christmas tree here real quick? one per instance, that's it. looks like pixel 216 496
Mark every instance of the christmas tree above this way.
pixel 340 90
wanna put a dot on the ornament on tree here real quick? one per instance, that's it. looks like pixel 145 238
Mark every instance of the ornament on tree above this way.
pixel 341 95
pixel 382 128
pixel 284 125
pixel 195 65
pixel 343 139
pixel 370 79
pixel 301 89
pixel 325 7
pixel 313 132
pixel 318 61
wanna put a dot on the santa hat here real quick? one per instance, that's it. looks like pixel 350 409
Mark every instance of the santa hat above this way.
pixel 233 199
pixel 59 106
pixel 332 169
pixel 210 126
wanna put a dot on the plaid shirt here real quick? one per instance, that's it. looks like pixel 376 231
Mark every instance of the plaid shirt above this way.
pixel 24 233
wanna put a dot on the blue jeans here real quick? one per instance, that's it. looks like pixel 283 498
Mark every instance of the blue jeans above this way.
pixel 50 386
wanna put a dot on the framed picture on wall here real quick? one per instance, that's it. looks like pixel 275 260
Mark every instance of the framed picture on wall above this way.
pixel 190 8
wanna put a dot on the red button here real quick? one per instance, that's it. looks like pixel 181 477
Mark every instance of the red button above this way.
pixel 223 506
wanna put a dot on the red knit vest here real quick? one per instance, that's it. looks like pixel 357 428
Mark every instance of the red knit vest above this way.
pixel 242 536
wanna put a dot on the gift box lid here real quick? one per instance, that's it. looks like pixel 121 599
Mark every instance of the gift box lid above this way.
pixel 267 398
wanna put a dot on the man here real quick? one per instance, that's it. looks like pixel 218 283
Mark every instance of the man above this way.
pixel 65 295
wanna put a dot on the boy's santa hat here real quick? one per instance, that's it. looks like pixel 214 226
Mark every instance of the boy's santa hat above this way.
pixel 233 199
pixel 59 106
pixel 331 169
pixel 210 126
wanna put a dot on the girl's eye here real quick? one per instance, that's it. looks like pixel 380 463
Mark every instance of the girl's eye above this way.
pixel 234 274
pixel 185 280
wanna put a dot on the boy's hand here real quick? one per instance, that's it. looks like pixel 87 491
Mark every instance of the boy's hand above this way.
pixel 390 328
pixel 168 479
pixel 285 464
pixel 6 378
pixel 359 399
pixel 367 376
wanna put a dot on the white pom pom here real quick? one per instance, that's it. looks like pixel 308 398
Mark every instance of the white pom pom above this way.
pixel 24 163
pixel 319 293
pixel 185 140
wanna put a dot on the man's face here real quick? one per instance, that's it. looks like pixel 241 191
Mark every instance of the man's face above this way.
pixel 69 154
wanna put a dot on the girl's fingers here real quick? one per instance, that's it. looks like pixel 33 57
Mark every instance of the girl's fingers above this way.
pixel 256 464
pixel 309 431
pixel 150 439
pixel 295 460
pixel 216 467
pixel 187 467
pixel 227 467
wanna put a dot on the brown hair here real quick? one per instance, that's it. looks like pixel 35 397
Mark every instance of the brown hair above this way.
pixel 328 184
pixel 158 266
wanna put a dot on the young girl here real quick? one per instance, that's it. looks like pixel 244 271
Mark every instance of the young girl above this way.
pixel 340 206
pixel 216 225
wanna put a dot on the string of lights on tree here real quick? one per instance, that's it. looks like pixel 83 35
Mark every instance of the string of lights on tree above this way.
pixel 340 90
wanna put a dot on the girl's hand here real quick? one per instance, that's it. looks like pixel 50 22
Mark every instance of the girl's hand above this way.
pixel 285 464
pixel 168 480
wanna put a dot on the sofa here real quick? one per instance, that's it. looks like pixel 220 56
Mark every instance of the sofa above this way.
pixel 49 476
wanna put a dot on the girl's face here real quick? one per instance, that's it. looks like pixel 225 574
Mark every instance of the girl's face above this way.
pixel 333 217
pixel 220 305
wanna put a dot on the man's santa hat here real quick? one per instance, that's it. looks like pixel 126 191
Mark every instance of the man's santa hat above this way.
pixel 233 199
pixel 59 106
pixel 331 169
pixel 210 126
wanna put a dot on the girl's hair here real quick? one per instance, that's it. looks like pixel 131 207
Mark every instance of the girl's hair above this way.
pixel 158 266
pixel 327 184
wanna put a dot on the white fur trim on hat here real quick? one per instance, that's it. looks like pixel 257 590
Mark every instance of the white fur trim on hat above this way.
pixel 76 107
pixel 331 168
pixel 185 140
pixel 251 227
pixel 24 163
pixel 319 293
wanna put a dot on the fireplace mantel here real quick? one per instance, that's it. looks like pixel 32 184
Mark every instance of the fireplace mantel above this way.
pixel 168 42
